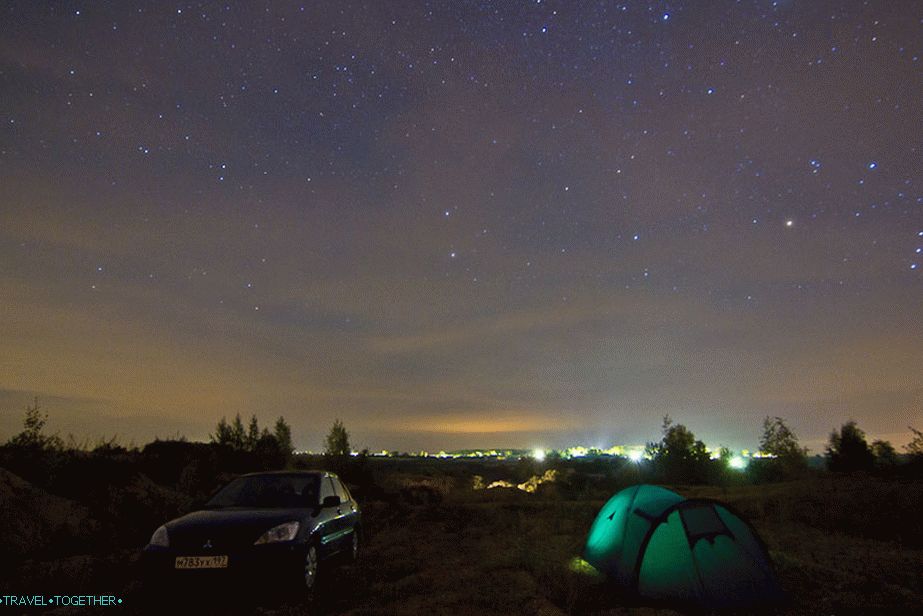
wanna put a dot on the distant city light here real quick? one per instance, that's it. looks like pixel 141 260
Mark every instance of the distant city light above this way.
pixel 634 453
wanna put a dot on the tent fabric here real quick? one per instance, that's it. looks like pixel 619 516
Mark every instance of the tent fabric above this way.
pixel 614 542
pixel 654 542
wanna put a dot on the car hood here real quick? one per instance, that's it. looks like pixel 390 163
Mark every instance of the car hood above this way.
pixel 228 528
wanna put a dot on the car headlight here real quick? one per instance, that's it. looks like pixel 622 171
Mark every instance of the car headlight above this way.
pixel 282 532
pixel 160 538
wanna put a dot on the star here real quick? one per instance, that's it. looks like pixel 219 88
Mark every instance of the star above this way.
pixel 381 133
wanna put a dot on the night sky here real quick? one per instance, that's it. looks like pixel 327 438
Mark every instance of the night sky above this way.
pixel 462 223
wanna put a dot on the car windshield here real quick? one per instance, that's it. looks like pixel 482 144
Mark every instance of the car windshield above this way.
pixel 269 491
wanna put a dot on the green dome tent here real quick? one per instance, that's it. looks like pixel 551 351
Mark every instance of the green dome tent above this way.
pixel 664 547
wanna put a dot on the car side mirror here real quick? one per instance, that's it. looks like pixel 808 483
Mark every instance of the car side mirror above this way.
pixel 331 501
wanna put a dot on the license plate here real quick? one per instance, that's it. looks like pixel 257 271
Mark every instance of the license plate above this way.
pixel 201 562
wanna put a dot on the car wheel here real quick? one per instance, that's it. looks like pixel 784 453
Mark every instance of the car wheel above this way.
pixel 310 569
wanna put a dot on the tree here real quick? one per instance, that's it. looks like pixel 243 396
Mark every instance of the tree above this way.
pixel 885 454
pixel 679 456
pixel 267 452
pixel 223 434
pixel 779 441
pixel 337 443
pixel 283 434
pixel 233 434
pixel 33 425
pixel 787 457
pixel 253 434
pixel 847 450
pixel 237 433
pixel 915 446
pixel 269 449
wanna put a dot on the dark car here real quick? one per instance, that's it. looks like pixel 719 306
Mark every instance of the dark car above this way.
pixel 280 526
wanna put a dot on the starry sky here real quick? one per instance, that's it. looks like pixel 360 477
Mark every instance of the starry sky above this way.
pixel 462 224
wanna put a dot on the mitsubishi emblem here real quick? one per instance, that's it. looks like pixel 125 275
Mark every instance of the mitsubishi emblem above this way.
pixel 207 545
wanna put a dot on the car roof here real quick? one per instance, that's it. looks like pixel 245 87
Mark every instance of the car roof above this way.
pixel 291 473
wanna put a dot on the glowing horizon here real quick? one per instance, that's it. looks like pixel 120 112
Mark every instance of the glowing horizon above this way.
pixel 464 227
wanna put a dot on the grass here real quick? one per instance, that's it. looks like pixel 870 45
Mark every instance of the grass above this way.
pixel 502 552
pixel 435 546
